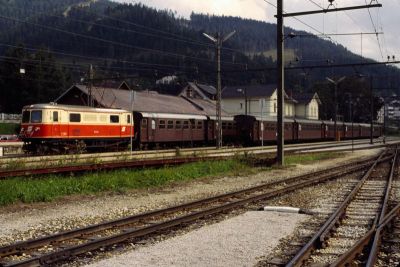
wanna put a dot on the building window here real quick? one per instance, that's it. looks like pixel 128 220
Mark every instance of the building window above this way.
pixel 274 107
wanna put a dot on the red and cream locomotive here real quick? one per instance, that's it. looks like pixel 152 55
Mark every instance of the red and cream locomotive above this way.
pixel 52 128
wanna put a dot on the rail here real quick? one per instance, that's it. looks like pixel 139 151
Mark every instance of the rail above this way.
pixel 151 222
pixel 319 239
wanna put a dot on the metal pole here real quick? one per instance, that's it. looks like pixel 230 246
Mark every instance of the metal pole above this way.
pixel 245 101
pixel 218 40
pixel 281 84
pixel 90 84
pixel 371 130
pixel 262 102
pixel 335 113
pixel 384 121
pixel 132 99
pixel 219 128
pixel 352 126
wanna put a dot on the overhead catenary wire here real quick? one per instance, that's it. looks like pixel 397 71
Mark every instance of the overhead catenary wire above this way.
pixel 150 50
pixel 373 25
pixel 172 38
pixel 57 52
pixel 304 23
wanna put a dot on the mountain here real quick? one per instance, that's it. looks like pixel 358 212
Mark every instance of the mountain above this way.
pixel 142 44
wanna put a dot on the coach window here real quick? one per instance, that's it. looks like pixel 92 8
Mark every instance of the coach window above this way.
pixel 170 124
pixel 55 116
pixel 114 118
pixel 185 124
pixel 75 117
pixel 153 124
pixel 144 123
pixel 26 115
pixel 199 124
pixel 224 125
pixel 178 125
pixel 161 124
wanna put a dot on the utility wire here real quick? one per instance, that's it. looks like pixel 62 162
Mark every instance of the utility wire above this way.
pixel 318 5
pixel 304 23
pixel 57 52
pixel 178 37
pixel 373 25
pixel 186 40
pixel 154 51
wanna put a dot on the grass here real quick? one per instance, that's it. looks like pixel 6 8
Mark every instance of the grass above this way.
pixel 54 186
pixel 51 187
pixel 8 128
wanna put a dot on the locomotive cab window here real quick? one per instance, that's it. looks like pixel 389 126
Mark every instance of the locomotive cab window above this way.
pixel 26 115
pixel 114 118
pixel 36 116
pixel 128 118
pixel 75 117
pixel 55 116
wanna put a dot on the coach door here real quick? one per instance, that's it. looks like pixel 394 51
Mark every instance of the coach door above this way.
pixel 55 123
pixel 151 129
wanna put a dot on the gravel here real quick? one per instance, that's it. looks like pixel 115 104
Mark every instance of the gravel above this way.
pixel 20 222
pixel 238 241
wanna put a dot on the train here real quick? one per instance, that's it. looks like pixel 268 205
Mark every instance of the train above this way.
pixel 52 128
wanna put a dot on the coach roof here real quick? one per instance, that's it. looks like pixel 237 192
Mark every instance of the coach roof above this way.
pixel 144 101
pixel 73 108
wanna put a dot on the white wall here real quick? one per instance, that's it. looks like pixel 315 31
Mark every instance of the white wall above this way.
pixel 236 106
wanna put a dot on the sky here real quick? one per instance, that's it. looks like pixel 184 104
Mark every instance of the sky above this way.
pixel 385 19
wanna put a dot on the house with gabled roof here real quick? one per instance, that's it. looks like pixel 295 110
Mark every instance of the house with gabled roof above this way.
pixel 307 106
pixel 199 91
pixel 247 99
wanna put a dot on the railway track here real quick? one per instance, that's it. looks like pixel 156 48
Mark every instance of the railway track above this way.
pixel 47 250
pixel 185 151
pixel 346 235
pixel 48 165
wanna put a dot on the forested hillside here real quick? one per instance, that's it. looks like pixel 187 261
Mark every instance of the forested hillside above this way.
pixel 56 41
